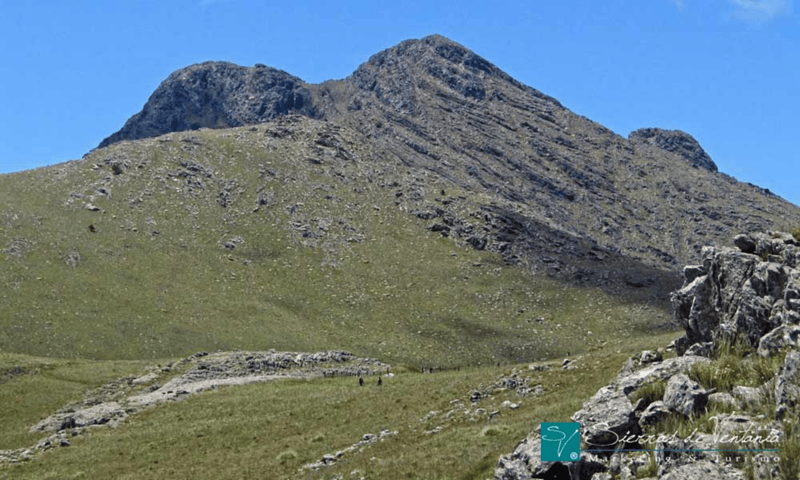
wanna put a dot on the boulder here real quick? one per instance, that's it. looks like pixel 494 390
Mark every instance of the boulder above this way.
pixel 653 414
pixel 690 272
pixel 650 356
pixel 779 338
pixel 745 243
pixel 631 381
pixel 526 463
pixel 704 349
pixel 738 295
pixel 748 397
pixel 684 395
pixel 721 400
pixel 606 417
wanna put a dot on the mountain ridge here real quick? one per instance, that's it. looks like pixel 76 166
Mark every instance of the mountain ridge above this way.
pixel 435 105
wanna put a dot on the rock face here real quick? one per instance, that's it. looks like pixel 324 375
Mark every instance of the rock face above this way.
pixel 216 95
pixel 675 141
pixel 750 293
pixel 746 294
pixel 684 395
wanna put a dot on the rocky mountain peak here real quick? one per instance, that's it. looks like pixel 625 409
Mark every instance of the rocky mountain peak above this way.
pixel 675 141
pixel 395 74
pixel 216 95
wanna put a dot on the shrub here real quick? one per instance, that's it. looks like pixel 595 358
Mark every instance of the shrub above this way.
pixel 650 392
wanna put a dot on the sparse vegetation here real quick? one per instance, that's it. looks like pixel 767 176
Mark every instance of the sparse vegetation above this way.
pixel 251 431
pixel 649 392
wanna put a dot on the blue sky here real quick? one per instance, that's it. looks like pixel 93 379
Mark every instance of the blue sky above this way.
pixel 725 71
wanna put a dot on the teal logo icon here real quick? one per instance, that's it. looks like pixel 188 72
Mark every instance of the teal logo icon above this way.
pixel 561 442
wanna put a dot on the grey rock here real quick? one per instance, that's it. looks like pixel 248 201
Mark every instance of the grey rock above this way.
pixel 740 296
pixel 690 272
pixel 748 397
pixel 703 349
pixel 787 390
pixel 630 381
pixel 736 428
pixel 721 400
pixel 653 414
pixel 101 414
pixel 779 338
pixel 216 95
pixel 526 463
pixel 606 417
pixel 602 476
pixel 684 395
pixel 650 356
pixel 677 142
pixel 745 243
pixel 680 344
pixel 670 453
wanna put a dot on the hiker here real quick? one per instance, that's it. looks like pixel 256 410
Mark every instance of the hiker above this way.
pixel 360 382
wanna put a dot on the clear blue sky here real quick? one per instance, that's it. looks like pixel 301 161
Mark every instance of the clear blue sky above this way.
pixel 725 71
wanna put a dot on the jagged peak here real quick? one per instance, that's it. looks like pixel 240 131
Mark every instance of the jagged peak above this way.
pixel 675 141
pixel 443 47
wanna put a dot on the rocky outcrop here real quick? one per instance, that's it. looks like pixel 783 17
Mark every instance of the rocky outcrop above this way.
pixel 111 404
pixel 677 142
pixel 217 95
pixel 750 293
pixel 743 295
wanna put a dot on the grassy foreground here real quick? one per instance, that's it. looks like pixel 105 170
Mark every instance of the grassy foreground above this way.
pixel 271 430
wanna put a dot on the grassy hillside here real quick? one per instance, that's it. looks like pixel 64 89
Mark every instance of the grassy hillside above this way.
pixel 123 255
pixel 272 430
pixel 285 236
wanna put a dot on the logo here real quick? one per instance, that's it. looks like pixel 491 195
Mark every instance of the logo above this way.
pixel 561 442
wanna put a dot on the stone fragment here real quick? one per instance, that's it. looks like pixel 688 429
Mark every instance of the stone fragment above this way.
pixel 748 397
pixel 703 349
pixel 654 413
pixel 684 395
pixel 745 243
pixel 606 417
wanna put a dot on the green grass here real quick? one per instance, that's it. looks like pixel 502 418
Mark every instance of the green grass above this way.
pixel 730 367
pixel 373 281
pixel 330 261
pixel 271 430
pixel 650 392
pixel 45 386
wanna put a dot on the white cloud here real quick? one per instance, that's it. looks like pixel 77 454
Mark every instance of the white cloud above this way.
pixel 679 3
pixel 760 10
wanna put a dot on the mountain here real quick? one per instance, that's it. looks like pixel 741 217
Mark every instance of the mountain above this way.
pixel 427 209
pixel 428 214
pixel 559 191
